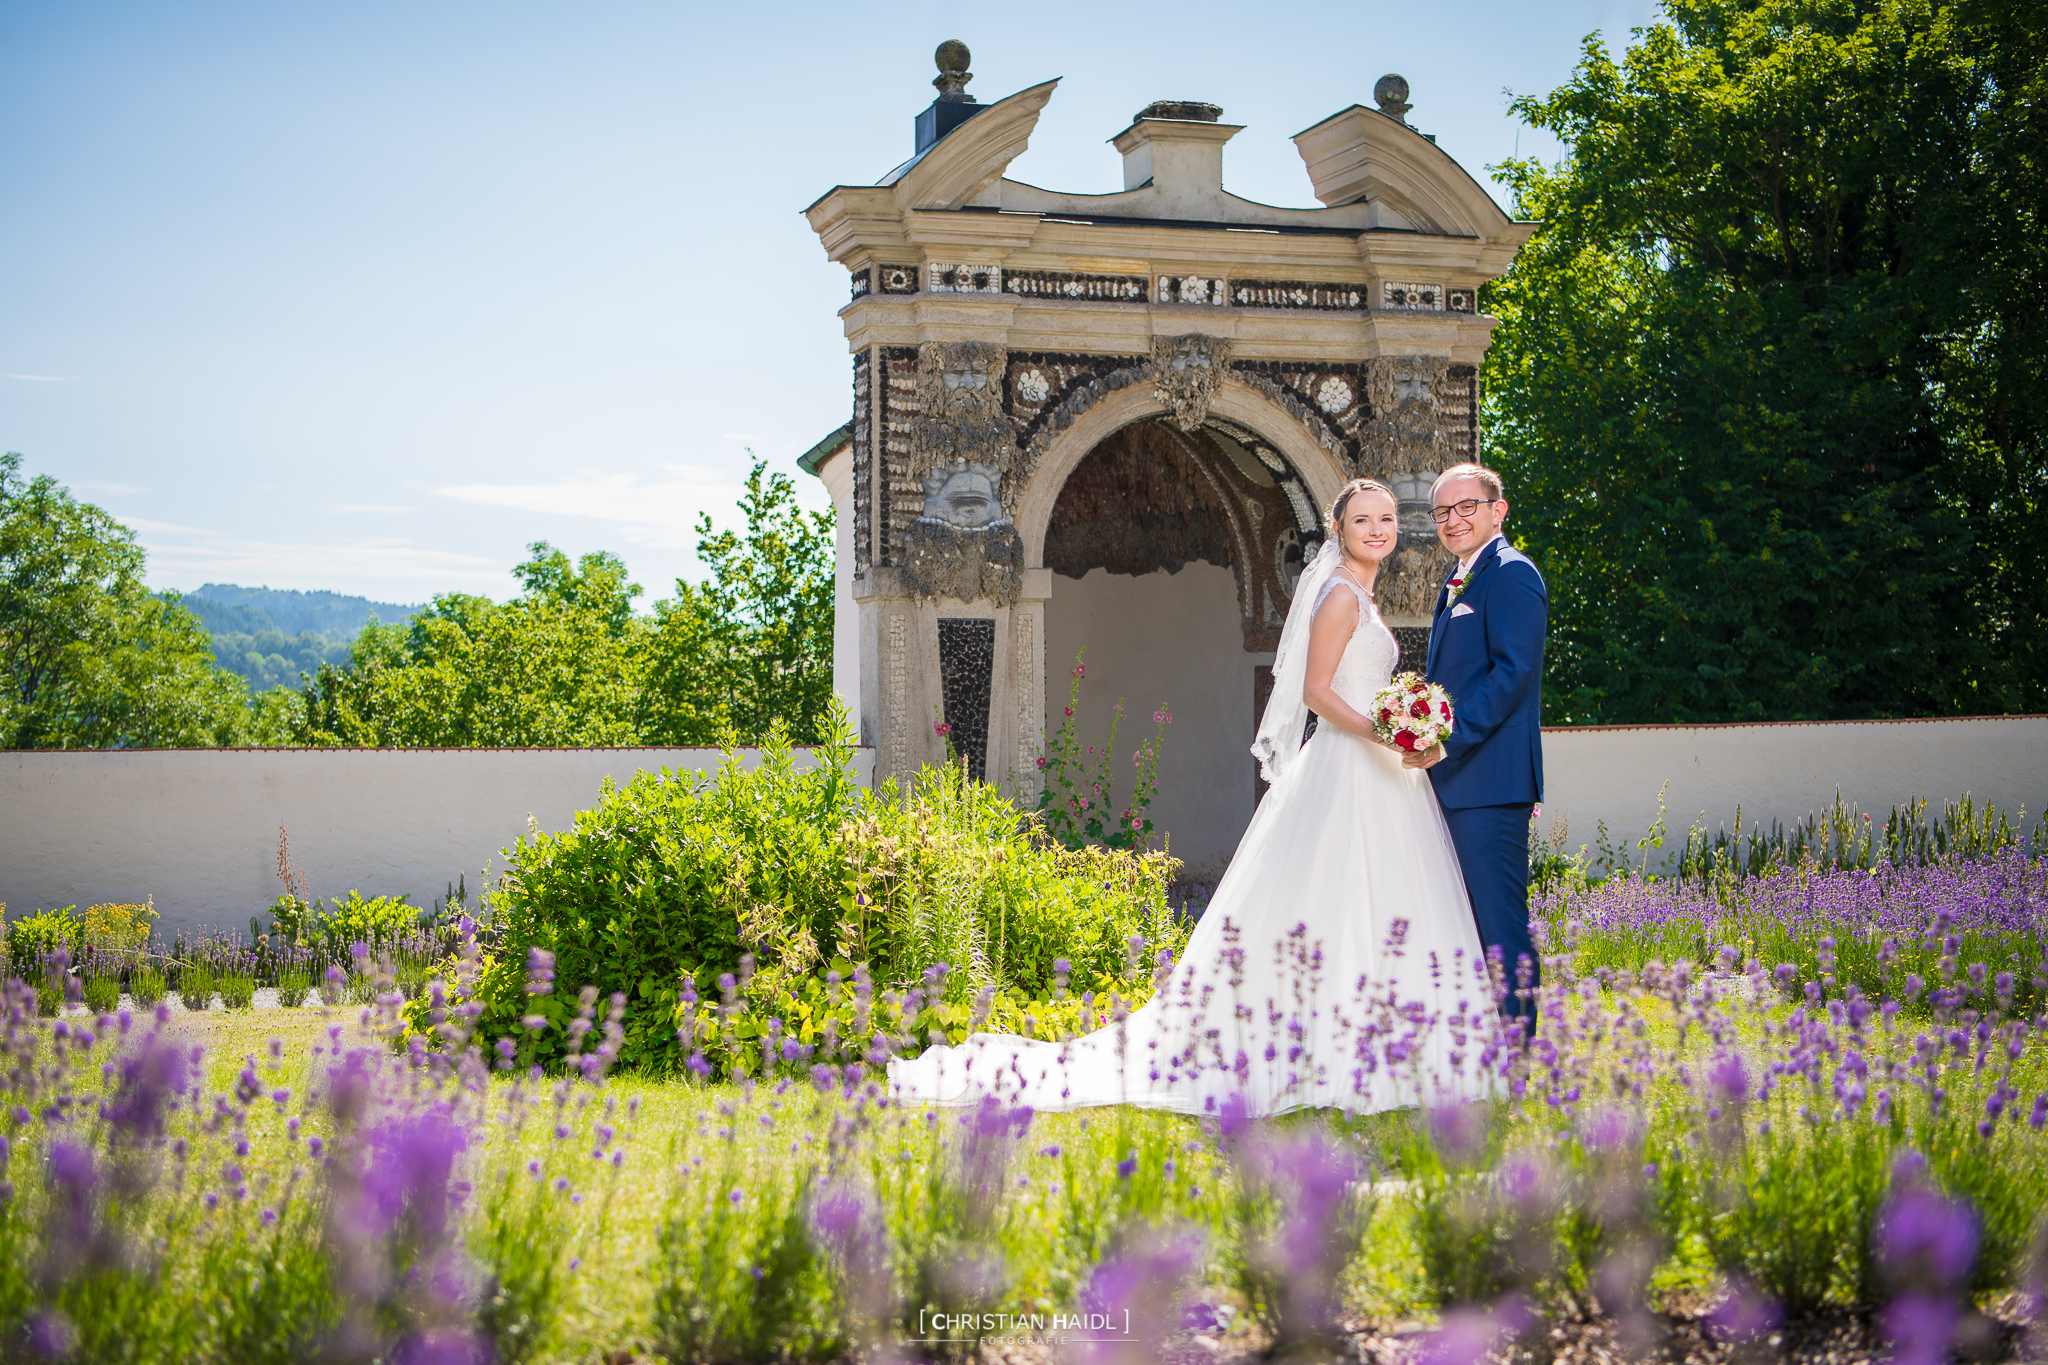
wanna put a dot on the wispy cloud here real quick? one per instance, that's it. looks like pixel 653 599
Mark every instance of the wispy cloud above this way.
pixel 661 513
pixel 45 378
pixel 369 507
pixel 157 528
pixel 390 567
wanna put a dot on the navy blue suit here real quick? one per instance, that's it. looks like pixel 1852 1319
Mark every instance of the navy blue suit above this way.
pixel 1486 649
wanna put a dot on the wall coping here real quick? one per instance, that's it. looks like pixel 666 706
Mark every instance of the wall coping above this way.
pixel 869 748
pixel 1779 724
pixel 435 749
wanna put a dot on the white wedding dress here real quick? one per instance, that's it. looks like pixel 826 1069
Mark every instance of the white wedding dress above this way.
pixel 1337 965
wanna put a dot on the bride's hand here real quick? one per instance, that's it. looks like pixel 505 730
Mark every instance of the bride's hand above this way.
pixel 1423 758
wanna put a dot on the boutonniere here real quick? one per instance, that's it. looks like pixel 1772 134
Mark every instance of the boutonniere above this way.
pixel 1456 588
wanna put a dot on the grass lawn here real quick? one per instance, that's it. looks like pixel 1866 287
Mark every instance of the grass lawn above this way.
pixel 1072 1190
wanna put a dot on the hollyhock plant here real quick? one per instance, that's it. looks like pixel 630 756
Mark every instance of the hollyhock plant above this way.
pixel 1078 809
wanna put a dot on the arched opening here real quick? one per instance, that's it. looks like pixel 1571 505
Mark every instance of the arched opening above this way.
pixel 1174 556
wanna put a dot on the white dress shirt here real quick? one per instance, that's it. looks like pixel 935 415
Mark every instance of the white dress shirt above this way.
pixel 1465 564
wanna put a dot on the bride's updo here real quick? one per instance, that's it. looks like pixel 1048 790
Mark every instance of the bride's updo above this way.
pixel 1350 490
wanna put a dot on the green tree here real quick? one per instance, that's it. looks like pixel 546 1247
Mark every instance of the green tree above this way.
pixel 754 642
pixel 1768 385
pixel 89 657
pixel 557 666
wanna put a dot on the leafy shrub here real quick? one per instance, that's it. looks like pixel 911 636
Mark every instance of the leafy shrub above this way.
pixel 146 988
pixel 670 882
pixel 291 916
pixel 377 921
pixel 237 991
pixel 195 987
pixel 119 926
pixel 33 938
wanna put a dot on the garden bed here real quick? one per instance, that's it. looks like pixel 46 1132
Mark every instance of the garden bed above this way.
pixel 1796 1113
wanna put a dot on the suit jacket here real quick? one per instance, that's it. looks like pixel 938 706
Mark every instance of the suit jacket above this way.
pixel 1490 659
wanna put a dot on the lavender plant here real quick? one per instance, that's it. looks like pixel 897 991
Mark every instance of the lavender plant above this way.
pixel 147 988
pixel 1301 1205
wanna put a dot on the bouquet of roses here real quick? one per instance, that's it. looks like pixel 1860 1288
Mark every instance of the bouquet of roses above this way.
pixel 1411 714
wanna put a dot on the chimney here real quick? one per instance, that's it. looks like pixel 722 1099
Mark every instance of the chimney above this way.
pixel 1175 145
pixel 954 106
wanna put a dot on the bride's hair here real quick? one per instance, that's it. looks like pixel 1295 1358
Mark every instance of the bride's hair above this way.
pixel 1354 487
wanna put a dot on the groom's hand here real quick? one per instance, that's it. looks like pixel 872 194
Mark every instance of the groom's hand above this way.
pixel 1424 758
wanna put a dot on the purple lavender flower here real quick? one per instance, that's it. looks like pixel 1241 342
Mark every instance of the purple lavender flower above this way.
pixel 1139 1284
pixel 1461 1133
pixel 1728 1078
pixel 540 971
pixel 151 1076
pixel 1300 1255
pixel 1921 1327
pixel 1926 1241
pixel 1744 1315
pixel 1468 1333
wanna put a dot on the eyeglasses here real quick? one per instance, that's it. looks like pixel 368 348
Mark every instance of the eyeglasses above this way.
pixel 1465 508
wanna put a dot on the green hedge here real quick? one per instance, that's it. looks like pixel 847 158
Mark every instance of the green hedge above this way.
pixel 673 879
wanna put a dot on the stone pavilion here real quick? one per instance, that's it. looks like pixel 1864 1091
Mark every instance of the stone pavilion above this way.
pixel 1115 421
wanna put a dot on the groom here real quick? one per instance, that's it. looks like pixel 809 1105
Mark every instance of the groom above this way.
pixel 1486 649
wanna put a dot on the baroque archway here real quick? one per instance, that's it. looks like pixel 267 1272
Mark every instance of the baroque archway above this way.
pixel 1172 557
pixel 1022 357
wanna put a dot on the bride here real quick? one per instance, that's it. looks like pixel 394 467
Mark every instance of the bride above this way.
pixel 1338 964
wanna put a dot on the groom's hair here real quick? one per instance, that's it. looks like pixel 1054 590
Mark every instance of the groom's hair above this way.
pixel 1345 494
pixel 1488 480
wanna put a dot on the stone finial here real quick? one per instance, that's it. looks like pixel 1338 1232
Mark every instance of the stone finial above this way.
pixel 1391 94
pixel 952 58
pixel 1188 111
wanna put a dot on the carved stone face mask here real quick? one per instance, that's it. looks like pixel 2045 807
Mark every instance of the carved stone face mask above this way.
pixel 1413 389
pixel 966 499
pixel 965 379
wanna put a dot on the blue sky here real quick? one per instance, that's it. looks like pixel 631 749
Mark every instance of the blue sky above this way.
pixel 367 296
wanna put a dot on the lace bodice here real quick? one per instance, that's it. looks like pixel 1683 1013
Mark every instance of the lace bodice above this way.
pixel 1369 659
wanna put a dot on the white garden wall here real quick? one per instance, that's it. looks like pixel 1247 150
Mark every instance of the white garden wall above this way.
pixel 1783 771
pixel 197 828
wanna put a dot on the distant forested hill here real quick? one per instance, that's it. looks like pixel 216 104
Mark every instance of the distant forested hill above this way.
pixel 292 611
pixel 270 636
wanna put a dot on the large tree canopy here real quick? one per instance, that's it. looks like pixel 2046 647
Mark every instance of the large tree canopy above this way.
pixel 1769 383
pixel 754 641
pixel 568 663
pixel 89 657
